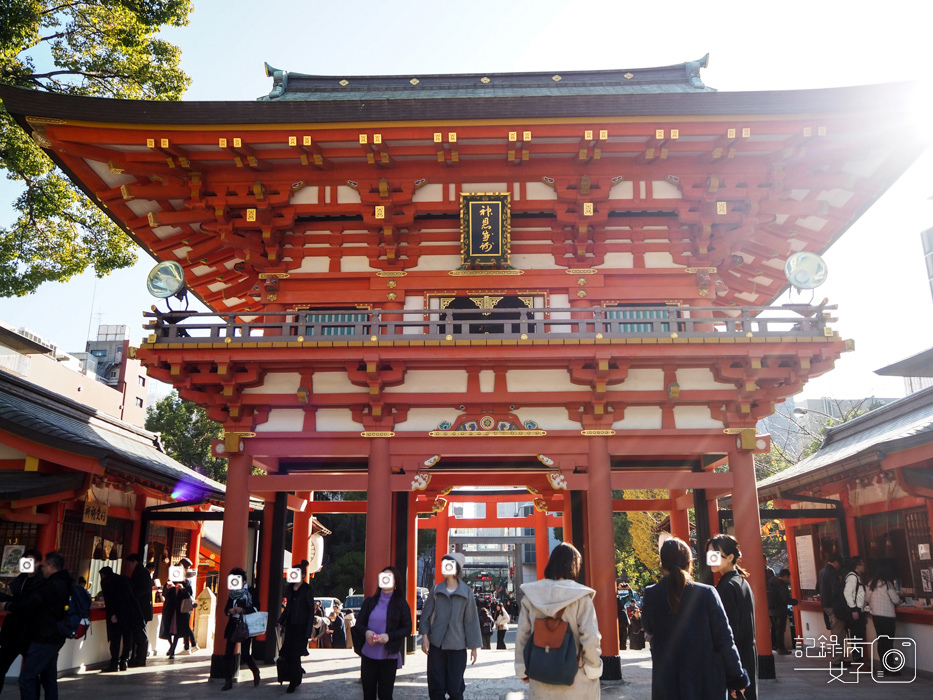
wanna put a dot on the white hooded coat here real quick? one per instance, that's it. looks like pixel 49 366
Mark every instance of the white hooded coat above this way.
pixel 545 598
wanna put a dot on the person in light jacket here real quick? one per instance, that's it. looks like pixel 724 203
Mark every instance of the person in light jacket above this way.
pixel 883 598
pixel 558 591
pixel 449 626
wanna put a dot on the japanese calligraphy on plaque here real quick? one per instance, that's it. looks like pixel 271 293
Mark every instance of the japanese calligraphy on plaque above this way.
pixel 485 225
pixel 95 513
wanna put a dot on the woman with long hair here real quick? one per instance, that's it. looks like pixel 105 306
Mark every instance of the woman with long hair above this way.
pixel 558 593
pixel 883 598
pixel 296 621
pixel 502 624
pixel 239 602
pixel 692 651
pixel 736 597
pixel 383 624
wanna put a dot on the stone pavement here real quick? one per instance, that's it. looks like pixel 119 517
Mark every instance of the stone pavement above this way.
pixel 334 674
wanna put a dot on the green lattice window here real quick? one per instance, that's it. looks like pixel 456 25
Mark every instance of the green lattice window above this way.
pixel 639 319
pixel 344 322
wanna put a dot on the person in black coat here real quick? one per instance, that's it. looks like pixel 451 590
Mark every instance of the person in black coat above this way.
pixel 123 617
pixel 692 652
pixel 296 622
pixel 239 602
pixel 141 583
pixel 14 639
pixel 42 608
pixel 174 619
pixel 382 625
pixel 736 596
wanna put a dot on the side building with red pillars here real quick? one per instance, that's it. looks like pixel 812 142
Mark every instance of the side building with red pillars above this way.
pixel 561 282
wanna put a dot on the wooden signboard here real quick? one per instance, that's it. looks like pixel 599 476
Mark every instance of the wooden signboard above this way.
pixel 485 227
pixel 95 513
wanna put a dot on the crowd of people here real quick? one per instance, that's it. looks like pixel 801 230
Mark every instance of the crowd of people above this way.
pixel 702 638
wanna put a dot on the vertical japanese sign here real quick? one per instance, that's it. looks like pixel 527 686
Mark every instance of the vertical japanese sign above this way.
pixel 95 513
pixel 485 223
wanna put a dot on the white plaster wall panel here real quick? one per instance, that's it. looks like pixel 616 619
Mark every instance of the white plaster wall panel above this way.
pixel 643 189
pixel 534 261
pixel 354 263
pixel 699 379
pixel 201 270
pixel 7 452
pixel 640 418
pixel 431 382
pixel 335 383
pixel 622 190
pixel 560 301
pixel 538 190
pixel 694 417
pixel 663 189
pixel 660 259
pixel 618 260
pixel 836 198
pixel 112 179
pixel 429 193
pixel 483 187
pixel 277 383
pixel 553 418
pixel 142 207
pixel 516 191
pixel 437 262
pixel 425 419
pixel 336 420
pixel 549 380
pixel 307 195
pixel 641 380
pixel 314 263
pixel 413 303
pixel 283 420
pixel 487 381
pixel 814 223
pixel 347 195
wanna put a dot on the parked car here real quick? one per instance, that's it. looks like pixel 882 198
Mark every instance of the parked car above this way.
pixel 328 604
pixel 354 602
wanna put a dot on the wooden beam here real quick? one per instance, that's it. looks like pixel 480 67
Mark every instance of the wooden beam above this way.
pixel 667 479
pixel 640 505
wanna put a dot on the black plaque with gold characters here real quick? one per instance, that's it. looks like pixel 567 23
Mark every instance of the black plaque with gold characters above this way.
pixel 485 225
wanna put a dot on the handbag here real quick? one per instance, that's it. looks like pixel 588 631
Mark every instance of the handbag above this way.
pixel 186 605
pixel 241 631
pixel 551 654
pixel 256 622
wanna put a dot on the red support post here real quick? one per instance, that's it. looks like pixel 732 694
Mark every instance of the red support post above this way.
pixel 47 534
pixel 441 542
pixel 378 513
pixel 712 510
pixel 301 533
pixel 541 542
pixel 680 523
pixel 410 579
pixel 194 547
pixel 233 547
pixel 600 550
pixel 567 520
pixel 747 519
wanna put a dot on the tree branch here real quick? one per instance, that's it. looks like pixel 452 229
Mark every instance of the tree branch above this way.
pixel 87 74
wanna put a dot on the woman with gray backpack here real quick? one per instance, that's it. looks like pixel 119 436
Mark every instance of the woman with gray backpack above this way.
pixel 557 648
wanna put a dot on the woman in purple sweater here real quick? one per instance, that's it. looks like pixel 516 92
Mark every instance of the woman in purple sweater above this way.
pixel 383 623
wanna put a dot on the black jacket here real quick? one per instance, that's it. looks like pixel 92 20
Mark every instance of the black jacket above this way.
pixel 398 623
pixel 249 607
pixel 12 632
pixel 826 583
pixel 43 606
pixel 141 582
pixel 119 601
pixel 299 608
pixel 736 596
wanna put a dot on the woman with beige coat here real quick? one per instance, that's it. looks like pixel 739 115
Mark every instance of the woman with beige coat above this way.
pixel 558 591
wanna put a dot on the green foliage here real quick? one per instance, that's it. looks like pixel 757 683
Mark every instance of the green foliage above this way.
pixel 186 434
pixel 344 573
pixel 102 48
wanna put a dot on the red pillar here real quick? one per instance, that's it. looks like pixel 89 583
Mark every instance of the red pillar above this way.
pixel 541 542
pixel 600 550
pixel 441 542
pixel 748 533
pixel 410 579
pixel 301 532
pixel 265 552
pixel 567 519
pixel 680 523
pixel 47 534
pixel 233 547
pixel 194 554
pixel 378 513
pixel 792 563
pixel 712 509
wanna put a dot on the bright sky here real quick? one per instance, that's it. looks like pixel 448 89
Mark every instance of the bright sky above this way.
pixel 876 271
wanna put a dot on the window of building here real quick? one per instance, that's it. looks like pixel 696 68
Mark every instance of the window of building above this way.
pixel 900 535
pixel 824 538
pixel 338 322
pixel 141 380
pixel 99 353
pixel 113 374
pixel 139 402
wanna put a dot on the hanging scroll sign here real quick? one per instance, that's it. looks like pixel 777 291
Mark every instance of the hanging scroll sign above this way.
pixel 485 223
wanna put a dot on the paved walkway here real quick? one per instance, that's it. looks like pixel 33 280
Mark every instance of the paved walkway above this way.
pixel 332 674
